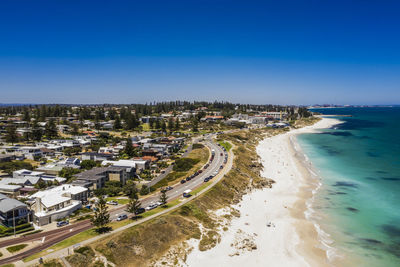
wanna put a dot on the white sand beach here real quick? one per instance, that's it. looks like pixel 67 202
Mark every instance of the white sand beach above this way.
pixel 273 229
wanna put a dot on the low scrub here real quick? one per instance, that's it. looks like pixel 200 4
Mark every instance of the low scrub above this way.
pixel 143 244
pixel 83 257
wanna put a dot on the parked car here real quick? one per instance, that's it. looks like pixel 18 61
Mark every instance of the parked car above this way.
pixel 151 206
pixel 122 217
pixel 166 189
pixel 140 211
pixel 206 179
pixel 183 181
pixel 188 178
pixel 62 223
pixel 112 202
pixel 187 193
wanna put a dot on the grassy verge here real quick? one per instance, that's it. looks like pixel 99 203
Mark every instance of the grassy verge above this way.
pixel 143 244
pixel 16 248
pixel 91 233
pixel 199 154
pixel 226 145
pixel 65 243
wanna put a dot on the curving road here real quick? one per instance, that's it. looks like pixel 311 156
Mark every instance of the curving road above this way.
pixel 52 237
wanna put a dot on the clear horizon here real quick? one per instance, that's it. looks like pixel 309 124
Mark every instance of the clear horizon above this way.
pixel 291 52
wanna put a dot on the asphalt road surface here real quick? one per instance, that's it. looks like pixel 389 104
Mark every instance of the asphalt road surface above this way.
pixel 52 237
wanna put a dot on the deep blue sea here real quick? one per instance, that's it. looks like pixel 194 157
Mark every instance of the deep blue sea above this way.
pixel 358 203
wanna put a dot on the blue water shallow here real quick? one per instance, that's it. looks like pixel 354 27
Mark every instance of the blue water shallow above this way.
pixel 359 165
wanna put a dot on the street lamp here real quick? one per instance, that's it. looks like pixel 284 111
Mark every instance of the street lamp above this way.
pixel 14 219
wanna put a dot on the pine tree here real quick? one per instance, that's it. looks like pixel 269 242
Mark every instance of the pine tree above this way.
pixel 163 197
pixel 101 215
pixel 158 125
pixel 163 126
pixel 171 125
pixel 129 150
pixel 130 189
pixel 26 115
pixel 75 129
pixel 177 125
pixel 37 132
pixel 195 125
pixel 51 129
pixel 134 206
pixel 117 123
pixel 11 135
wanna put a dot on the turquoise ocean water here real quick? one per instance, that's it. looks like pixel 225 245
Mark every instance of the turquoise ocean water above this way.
pixel 358 163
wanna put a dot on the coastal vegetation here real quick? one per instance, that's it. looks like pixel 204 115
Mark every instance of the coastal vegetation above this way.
pixel 143 244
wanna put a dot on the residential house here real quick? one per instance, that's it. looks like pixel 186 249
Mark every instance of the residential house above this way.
pixel 6 157
pixel 130 165
pixel 13 211
pixel 10 189
pixel 212 118
pixel 96 156
pixel 276 115
pixel 63 128
pixel 21 152
pixel 23 173
pixel 96 178
pixel 57 203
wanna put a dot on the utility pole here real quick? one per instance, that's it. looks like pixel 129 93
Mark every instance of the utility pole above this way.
pixel 14 219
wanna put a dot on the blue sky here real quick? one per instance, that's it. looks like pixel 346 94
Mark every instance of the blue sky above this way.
pixel 283 52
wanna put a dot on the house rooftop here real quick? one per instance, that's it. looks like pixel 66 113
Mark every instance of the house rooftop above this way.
pixel 93 174
pixel 8 204
pixel 57 195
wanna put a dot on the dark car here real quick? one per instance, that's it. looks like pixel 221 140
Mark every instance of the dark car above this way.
pixel 183 181
pixel 188 178
pixel 166 189
pixel 206 179
pixel 140 211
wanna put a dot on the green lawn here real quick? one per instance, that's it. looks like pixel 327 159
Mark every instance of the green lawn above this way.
pixel 16 248
pixel 146 127
pixel 115 225
pixel 65 243
pixel 8 265
pixel 198 189
pixel 226 145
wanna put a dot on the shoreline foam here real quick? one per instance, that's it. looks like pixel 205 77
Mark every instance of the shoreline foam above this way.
pixel 292 239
